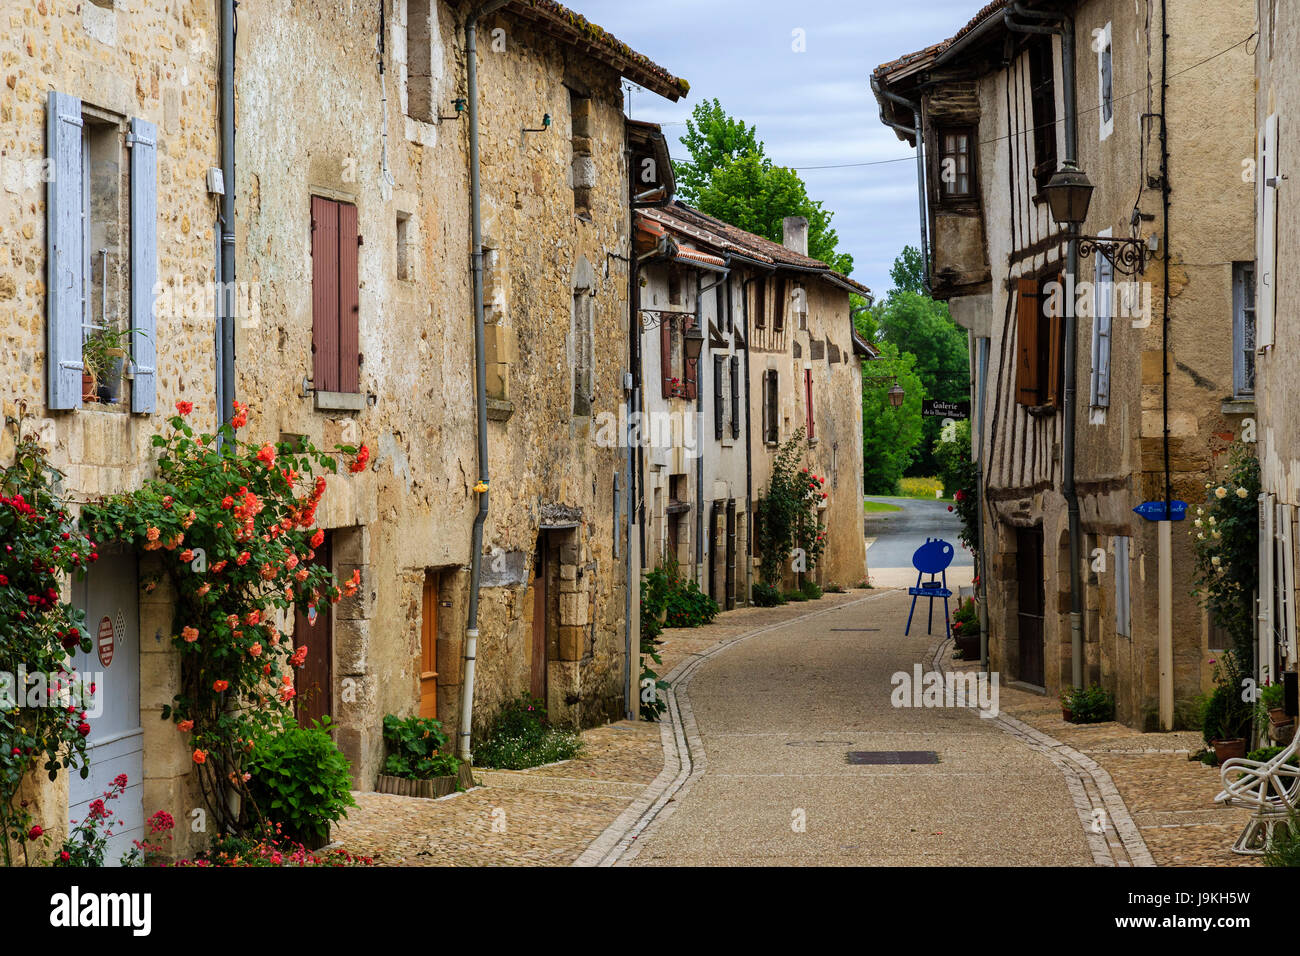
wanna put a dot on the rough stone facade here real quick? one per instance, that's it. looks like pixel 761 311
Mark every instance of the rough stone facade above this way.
pixel 1003 233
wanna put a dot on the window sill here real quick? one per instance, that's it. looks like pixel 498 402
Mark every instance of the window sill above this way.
pixel 1039 411
pixel 339 401
pixel 814 440
pixel 1238 406
pixel 499 409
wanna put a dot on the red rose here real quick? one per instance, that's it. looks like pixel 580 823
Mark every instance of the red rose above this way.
pixel 950 507
pixel 184 407
pixel 83 728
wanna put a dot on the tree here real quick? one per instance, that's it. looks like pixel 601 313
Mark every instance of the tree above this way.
pixel 889 435
pixel 908 272
pixel 729 176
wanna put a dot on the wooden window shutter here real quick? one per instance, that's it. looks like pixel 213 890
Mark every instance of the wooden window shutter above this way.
pixel 773 407
pixel 144 264
pixel 764 407
pixel 65 252
pixel 778 307
pixel 349 301
pixel 735 397
pixel 325 294
pixel 1266 172
pixel 719 403
pixel 760 303
pixel 690 367
pixel 1055 365
pixel 666 354
pixel 1027 384
pixel 808 403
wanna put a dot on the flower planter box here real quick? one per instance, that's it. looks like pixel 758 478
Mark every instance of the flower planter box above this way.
pixel 432 788
pixel 969 645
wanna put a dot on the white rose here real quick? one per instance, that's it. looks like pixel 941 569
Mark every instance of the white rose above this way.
pixel 1197 522
pixel 1200 535
pixel 1242 493
pixel 1220 492
pixel 1217 535
pixel 1214 561
pixel 1212 521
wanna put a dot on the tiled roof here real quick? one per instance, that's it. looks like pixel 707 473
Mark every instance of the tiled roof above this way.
pixel 577 31
pixel 932 51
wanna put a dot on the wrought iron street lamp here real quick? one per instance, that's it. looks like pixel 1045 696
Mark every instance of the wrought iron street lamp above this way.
pixel 895 393
pixel 1069 193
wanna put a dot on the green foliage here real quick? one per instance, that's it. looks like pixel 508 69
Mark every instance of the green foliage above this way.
pixel 415 748
pixel 925 489
pixel 232 523
pixel 889 435
pixel 960 477
pixel 908 272
pixel 1090 705
pixel 794 596
pixel 300 779
pixel 38 630
pixel 765 595
pixel 1225 535
pixel 1226 715
pixel 834 588
pixel 269 848
pixel 1285 847
pixel 652 704
pixel 1265 754
pixel 520 737
pixel 966 619
pixel 730 176
pixel 788 522
pixel 810 589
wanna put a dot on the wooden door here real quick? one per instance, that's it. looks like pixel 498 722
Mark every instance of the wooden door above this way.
pixel 731 555
pixel 429 647
pixel 538 685
pixel 1029 574
pixel 314 682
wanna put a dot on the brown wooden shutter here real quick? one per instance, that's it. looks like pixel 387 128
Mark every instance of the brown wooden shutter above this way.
pixel 324 294
pixel 1056 352
pixel 349 301
pixel 691 367
pixel 763 433
pixel 760 303
pixel 1027 309
pixel 773 406
pixel 808 402
pixel 778 307
pixel 666 353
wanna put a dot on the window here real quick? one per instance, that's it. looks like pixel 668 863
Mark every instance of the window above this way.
pixel 404 270
pixel 102 255
pixel 1243 329
pixel 760 304
pixel 779 306
pixel 1123 601
pixel 719 399
pixel 1042 83
pixel 771 423
pixel 808 404
pixel 1105 87
pixel 1039 358
pixel 680 377
pixel 735 397
pixel 584 346
pixel 674 287
pixel 956 151
pixel 1103 293
pixel 583 168
pixel 421 102
pixel 336 304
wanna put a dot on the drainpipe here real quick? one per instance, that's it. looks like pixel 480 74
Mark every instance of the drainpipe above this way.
pixel 226 266
pixel 1064 28
pixel 700 289
pixel 915 131
pixel 480 371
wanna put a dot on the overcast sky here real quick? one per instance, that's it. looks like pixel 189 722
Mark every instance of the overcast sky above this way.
pixel 813 108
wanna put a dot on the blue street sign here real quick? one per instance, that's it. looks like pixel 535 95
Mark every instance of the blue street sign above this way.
pixel 1155 510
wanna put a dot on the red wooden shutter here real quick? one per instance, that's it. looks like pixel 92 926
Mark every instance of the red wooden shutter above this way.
pixel 324 294
pixel 1027 383
pixel 349 301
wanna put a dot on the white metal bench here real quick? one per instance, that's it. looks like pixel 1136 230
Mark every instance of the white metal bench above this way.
pixel 1271 789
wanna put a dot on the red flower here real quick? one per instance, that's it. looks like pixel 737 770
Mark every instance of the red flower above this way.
pixel 959 496
pixel 185 726
pixel 363 456
pixel 316 541
pixel 240 418
pixel 119 780
pixel 200 756
pixel 184 407
pixel 267 454
pixel 950 507
pixel 83 728
pixel 220 685
pixel 299 656
pixel 35 833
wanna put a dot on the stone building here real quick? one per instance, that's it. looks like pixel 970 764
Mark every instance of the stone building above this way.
pixel 1020 91
pixel 354 322
pixel 1265 347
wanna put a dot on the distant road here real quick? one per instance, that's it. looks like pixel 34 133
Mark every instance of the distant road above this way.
pixel 894 536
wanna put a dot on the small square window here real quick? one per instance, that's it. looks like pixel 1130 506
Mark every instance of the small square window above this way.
pixel 956 152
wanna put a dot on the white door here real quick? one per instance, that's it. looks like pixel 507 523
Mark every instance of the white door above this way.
pixel 115 745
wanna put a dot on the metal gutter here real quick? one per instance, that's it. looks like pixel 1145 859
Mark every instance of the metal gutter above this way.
pixel 226 263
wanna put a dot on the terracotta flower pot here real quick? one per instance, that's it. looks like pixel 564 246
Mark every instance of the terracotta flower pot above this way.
pixel 1277 715
pixel 1067 715
pixel 1229 749
pixel 88 388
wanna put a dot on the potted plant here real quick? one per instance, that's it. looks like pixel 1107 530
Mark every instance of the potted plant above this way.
pixel 1271 716
pixel 1067 699
pixel 102 356
pixel 1226 720
pixel 966 629
pixel 416 765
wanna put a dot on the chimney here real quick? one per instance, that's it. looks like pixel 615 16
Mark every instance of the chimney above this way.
pixel 795 230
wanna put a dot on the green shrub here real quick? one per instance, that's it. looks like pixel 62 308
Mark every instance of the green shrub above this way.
pixel 834 588
pixel 1226 715
pixel 811 590
pixel 520 737
pixel 1265 754
pixel 794 596
pixel 765 595
pixel 1091 705
pixel 966 619
pixel 1285 848
pixel 300 779
pixel 414 746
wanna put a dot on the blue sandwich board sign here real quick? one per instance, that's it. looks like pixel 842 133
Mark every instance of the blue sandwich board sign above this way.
pixel 1155 510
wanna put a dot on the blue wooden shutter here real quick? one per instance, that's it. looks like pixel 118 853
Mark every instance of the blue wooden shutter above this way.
pixel 65 251
pixel 144 263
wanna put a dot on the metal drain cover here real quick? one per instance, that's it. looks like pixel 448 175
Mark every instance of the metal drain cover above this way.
pixel 892 756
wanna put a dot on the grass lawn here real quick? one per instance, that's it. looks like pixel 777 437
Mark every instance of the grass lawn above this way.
pixel 921 488
pixel 871 506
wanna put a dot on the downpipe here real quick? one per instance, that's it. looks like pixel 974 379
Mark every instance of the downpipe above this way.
pixel 700 289
pixel 226 266
pixel 916 132
pixel 480 372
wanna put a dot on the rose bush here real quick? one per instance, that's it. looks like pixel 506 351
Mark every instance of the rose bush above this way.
pixel 42 715
pixel 234 525
pixel 789 516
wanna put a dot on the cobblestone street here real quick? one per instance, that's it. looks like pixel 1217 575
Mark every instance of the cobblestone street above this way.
pixel 767 724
